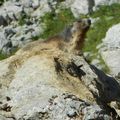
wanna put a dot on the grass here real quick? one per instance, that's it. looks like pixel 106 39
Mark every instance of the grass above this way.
pixel 3 56
pixel 56 22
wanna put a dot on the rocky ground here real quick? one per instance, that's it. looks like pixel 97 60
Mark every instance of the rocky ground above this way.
pixel 40 84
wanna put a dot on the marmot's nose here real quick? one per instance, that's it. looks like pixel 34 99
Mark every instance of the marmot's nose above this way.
pixel 89 21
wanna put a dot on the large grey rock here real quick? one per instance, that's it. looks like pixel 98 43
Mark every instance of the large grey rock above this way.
pixel 110 49
pixel 39 84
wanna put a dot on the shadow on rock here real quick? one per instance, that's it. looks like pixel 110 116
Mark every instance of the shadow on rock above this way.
pixel 109 88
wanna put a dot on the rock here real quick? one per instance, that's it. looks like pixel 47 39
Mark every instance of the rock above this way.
pixel 105 2
pixel 94 112
pixel 81 7
pixel 111 40
pixel 97 63
pixel 3 21
pixel 36 4
pixel 66 3
pixel 112 59
pixel 39 85
pixel 110 49
pixel 13 37
pixel 10 12
pixel 40 11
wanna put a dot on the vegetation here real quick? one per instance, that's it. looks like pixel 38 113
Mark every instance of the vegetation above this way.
pixel 55 22
pixel 107 17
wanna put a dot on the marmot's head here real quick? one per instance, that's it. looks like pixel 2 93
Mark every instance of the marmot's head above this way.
pixel 80 27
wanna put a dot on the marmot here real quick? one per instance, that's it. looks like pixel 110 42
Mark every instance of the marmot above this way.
pixel 72 38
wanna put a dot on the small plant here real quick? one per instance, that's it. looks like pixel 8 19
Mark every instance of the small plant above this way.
pixel 3 56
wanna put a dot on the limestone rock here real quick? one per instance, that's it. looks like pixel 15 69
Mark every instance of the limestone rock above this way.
pixel 50 84
pixel 110 49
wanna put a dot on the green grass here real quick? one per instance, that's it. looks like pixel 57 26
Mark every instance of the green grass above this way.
pixel 3 56
pixel 56 22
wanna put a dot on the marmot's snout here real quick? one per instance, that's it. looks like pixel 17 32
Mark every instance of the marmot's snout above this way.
pixel 86 23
